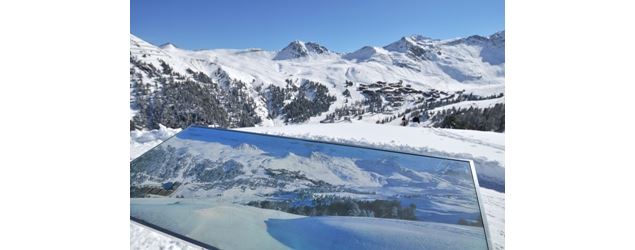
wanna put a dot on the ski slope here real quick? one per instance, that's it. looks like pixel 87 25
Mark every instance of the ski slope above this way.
pixel 486 148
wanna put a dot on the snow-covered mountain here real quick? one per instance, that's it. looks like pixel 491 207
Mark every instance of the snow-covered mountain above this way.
pixel 306 82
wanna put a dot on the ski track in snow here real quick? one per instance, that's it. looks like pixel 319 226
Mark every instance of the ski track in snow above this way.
pixel 477 145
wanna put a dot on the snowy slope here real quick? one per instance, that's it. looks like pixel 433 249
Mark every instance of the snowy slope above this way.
pixel 486 146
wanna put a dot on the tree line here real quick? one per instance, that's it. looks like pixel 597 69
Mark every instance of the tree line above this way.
pixel 298 103
pixel 177 101
pixel 338 206
pixel 485 119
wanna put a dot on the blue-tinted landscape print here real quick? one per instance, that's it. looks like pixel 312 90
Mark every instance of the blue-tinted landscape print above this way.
pixel 236 190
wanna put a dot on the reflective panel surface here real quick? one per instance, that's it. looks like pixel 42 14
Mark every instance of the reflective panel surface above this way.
pixel 237 190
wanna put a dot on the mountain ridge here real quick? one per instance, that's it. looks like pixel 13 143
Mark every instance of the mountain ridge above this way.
pixel 496 35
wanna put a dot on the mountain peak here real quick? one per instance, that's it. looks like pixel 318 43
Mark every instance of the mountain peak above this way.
pixel 297 49
pixel 498 34
pixel 498 37
pixel 168 46
pixel 416 46
pixel 421 38
pixel 402 45
pixel 316 48
pixel 366 53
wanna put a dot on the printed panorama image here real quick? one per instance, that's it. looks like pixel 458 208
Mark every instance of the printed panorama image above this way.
pixel 237 190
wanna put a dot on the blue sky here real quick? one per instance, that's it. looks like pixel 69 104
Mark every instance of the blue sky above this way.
pixel 342 26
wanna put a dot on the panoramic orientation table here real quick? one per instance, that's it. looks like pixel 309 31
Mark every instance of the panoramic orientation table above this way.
pixel 226 189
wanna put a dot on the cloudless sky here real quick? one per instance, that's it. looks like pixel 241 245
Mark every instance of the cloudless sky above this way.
pixel 340 25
